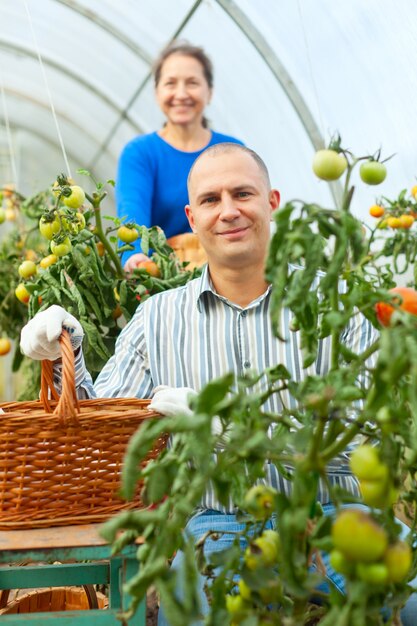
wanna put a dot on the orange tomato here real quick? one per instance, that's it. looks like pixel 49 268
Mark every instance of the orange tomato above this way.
pixel 384 310
pixel 5 346
pixel 100 248
pixel 151 267
pixel 377 210
pixel 414 191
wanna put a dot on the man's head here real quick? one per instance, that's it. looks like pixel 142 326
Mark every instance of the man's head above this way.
pixel 230 205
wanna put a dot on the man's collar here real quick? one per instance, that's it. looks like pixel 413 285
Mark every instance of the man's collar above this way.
pixel 207 287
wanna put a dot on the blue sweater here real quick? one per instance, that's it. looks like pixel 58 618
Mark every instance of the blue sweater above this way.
pixel 151 187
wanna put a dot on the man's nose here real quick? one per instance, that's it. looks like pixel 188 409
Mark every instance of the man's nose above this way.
pixel 229 209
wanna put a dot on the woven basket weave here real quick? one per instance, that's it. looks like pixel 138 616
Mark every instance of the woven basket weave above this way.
pixel 61 459
pixel 188 248
pixel 55 599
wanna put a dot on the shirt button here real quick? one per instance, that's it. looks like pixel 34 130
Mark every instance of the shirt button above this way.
pixel 246 364
pixel 244 313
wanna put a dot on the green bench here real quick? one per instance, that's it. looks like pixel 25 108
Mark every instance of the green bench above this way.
pixel 67 556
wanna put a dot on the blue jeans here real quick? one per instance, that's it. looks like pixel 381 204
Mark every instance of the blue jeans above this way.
pixel 203 522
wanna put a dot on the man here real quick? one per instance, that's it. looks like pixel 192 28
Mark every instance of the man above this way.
pixel 218 323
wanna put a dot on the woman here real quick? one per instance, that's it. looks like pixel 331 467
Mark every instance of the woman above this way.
pixel 152 174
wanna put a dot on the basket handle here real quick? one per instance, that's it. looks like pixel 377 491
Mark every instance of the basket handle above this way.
pixel 68 407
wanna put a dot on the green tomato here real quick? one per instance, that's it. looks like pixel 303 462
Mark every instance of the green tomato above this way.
pixel 75 199
pixel 259 501
pixel 358 537
pixel 329 164
pixel 236 607
pixel 373 573
pixel 366 465
pixel 373 172
pixel 49 228
pixel 27 269
pixel 398 559
pixel 263 551
pixel 127 235
pixel 2 215
pixel 62 248
pixel 340 563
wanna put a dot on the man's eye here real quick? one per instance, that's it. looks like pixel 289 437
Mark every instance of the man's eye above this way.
pixel 243 194
pixel 209 200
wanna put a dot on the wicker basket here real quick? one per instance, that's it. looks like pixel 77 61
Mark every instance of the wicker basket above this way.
pixel 188 248
pixel 54 599
pixel 61 459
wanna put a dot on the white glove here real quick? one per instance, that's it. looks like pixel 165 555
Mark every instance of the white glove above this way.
pixel 39 338
pixel 172 401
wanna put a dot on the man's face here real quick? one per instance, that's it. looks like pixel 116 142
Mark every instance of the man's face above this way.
pixel 230 209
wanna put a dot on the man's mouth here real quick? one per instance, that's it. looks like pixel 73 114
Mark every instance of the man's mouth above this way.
pixel 233 233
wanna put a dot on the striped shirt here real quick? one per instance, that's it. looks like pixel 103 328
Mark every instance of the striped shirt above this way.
pixel 188 336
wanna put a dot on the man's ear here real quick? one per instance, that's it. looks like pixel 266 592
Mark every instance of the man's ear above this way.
pixel 190 217
pixel 274 199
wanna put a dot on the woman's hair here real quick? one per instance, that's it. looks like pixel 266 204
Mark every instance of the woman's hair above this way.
pixel 185 49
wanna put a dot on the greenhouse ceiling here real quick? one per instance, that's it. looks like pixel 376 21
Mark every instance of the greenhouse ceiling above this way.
pixel 289 74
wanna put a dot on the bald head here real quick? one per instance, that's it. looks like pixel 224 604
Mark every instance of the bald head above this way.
pixel 220 149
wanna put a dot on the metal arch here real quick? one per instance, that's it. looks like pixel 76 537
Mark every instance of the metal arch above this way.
pixel 279 71
pixel 143 83
pixel 108 27
pixel 37 133
pixel 43 105
pixel 27 52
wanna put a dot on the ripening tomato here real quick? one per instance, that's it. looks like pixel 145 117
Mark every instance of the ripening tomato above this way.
pixel 375 493
pixel 49 227
pixel 10 214
pixel 61 248
pixel 22 293
pixel 100 248
pixel 5 346
pixel 47 261
pixel 408 296
pixel 372 172
pixel 27 269
pixel 151 267
pixel 329 164
pixel 406 221
pixel 393 222
pixel 358 537
pixel 376 210
pixel 414 191
pixel 398 558
pixel 263 551
pixel 76 199
pixel 126 234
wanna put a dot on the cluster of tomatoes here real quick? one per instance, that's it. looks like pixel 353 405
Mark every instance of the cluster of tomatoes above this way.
pixel 57 225
pixel 362 550
pixel 8 204
pixel 396 216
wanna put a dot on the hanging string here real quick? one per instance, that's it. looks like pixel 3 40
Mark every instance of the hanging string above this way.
pixel 310 66
pixel 51 104
pixel 8 133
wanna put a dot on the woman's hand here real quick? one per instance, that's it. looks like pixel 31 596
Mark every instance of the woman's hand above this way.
pixel 133 261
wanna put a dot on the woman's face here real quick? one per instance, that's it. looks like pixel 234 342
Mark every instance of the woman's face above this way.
pixel 182 91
